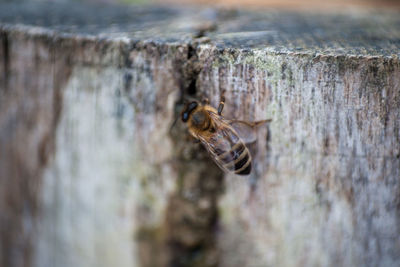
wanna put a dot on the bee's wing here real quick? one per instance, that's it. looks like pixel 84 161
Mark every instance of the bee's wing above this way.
pixel 246 130
pixel 219 144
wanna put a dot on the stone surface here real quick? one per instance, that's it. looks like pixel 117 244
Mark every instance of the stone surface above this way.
pixel 91 174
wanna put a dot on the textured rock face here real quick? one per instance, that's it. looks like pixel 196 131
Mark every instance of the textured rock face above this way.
pixel 32 77
pixel 91 174
pixel 333 149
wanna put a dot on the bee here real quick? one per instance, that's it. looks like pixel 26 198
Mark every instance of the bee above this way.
pixel 225 140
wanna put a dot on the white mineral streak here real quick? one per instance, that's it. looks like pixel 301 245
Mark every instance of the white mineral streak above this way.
pixel 89 188
pixel 94 188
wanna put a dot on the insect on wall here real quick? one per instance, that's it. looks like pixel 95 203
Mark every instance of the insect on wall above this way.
pixel 225 140
pixel 192 212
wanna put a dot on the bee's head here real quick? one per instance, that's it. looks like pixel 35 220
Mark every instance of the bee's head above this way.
pixel 188 110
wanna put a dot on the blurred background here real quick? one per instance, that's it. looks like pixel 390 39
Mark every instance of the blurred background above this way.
pixel 287 4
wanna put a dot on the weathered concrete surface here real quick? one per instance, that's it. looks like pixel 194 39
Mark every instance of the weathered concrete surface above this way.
pixel 91 174
pixel 32 77
pixel 330 193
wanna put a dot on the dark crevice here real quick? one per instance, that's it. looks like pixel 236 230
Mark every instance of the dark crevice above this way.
pixel 192 212
pixel 191 52
pixel 191 90
pixel 191 72
pixel 6 58
pixel 193 67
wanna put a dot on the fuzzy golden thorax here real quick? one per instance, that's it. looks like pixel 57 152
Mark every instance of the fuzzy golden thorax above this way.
pixel 197 117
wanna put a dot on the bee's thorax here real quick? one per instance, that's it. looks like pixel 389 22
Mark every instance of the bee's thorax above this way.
pixel 200 120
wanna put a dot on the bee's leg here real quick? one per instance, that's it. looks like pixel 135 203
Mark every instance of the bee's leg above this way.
pixel 258 123
pixel 205 101
pixel 251 123
pixel 221 103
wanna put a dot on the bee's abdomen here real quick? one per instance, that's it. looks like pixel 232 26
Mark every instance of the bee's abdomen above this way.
pixel 238 159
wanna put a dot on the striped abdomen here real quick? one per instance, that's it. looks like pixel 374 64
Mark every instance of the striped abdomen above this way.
pixel 237 159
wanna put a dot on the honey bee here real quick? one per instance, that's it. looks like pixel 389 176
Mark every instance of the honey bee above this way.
pixel 225 140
